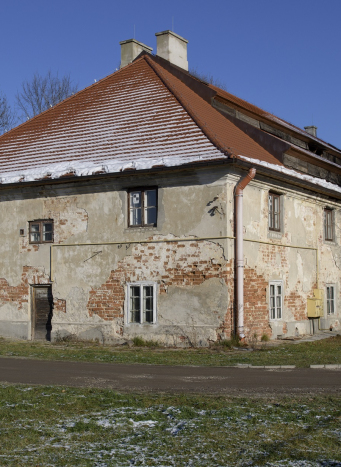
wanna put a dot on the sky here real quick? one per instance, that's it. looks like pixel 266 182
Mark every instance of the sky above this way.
pixel 281 55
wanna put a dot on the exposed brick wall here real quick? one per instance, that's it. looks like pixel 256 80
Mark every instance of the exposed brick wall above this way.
pixel 19 294
pixel 169 264
pixel 59 305
pixel 296 303
pixel 256 308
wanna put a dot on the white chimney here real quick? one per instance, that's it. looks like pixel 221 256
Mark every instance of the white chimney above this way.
pixel 312 130
pixel 172 47
pixel 130 49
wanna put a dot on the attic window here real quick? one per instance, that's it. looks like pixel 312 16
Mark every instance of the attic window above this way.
pixel 41 231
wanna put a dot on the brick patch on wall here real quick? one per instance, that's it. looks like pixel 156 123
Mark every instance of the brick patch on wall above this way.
pixel 19 294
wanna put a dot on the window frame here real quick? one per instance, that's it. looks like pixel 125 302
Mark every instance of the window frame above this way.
pixel 142 190
pixel 271 215
pixel 328 226
pixel 141 284
pixel 40 222
pixel 331 300
pixel 275 284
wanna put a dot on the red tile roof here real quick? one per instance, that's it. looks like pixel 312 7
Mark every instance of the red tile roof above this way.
pixel 139 117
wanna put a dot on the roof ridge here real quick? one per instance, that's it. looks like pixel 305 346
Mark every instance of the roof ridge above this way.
pixel 186 105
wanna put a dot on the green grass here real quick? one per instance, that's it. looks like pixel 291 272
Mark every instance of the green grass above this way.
pixel 56 426
pixel 326 351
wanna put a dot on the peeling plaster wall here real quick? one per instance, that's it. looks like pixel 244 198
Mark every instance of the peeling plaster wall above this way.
pixel 302 223
pixel 195 279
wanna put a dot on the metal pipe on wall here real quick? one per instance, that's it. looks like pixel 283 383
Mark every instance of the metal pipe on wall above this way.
pixel 239 249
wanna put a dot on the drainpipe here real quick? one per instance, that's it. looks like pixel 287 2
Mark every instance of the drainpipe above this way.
pixel 239 249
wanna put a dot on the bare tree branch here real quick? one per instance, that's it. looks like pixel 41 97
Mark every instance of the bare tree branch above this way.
pixel 7 118
pixel 43 92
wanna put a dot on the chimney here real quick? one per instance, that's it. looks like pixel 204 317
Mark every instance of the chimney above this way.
pixel 130 49
pixel 311 130
pixel 172 47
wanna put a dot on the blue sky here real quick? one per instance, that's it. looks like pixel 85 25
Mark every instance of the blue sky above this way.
pixel 283 56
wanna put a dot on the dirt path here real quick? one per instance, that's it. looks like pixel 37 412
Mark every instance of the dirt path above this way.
pixel 177 379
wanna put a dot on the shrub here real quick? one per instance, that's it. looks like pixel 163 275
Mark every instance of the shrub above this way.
pixel 265 338
pixel 140 342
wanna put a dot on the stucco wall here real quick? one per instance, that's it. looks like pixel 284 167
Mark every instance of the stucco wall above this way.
pixel 195 278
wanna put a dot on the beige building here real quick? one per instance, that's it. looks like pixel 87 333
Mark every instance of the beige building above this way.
pixel 154 204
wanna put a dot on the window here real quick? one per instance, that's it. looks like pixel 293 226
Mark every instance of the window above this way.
pixel 141 306
pixel 41 231
pixel 274 212
pixel 328 224
pixel 330 299
pixel 276 293
pixel 142 207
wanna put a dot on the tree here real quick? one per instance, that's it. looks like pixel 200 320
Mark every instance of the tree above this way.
pixel 43 92
pixel 7 119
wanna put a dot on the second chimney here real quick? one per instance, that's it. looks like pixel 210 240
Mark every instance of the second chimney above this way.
pixel 130 49
pixel 172 47
pixel 311 130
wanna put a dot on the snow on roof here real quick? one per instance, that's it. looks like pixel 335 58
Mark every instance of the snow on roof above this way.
pixel 309 178
pixel 139 117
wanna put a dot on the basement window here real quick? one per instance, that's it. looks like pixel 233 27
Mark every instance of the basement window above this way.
pixel 142 205
pixel 276 299
pixel 41 231
pixel 330 296
pixel 274 212
pixel 329 224
pixel 141 302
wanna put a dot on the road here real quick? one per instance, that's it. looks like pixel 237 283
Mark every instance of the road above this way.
pixel 171 379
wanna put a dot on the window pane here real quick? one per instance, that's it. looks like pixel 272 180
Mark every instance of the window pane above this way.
pixel 135 199
pixel 47 232
pixel 270 212
pixel 148 304
pixel 135 304
pixel 135 216
pixel 150 198
pixel 34 227
pixel 35 237
pixel 150 215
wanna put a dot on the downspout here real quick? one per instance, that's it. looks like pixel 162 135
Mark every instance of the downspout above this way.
pixel 239 249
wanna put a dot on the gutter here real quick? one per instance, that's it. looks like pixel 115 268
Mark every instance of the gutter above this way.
pixel 239 265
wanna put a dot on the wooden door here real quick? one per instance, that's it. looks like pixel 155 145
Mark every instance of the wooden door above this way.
pixel 42 313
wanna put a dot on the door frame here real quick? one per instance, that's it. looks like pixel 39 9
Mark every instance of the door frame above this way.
pixel 32 304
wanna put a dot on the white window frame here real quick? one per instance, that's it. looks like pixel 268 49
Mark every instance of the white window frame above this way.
pixel 331 301
pixel 275 284
pixel 141 284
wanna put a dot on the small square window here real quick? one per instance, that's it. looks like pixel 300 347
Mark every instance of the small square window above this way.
pixel 141 303
pixel 142 207
pixel 41 231
pixel 329 224
pixel 276 299
pixel 274 212
pixel 330 295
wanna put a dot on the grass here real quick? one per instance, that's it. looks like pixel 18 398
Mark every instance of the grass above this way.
pixel 58 426
pixel 326 351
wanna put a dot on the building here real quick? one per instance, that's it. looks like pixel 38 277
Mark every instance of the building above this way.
pixel 154 204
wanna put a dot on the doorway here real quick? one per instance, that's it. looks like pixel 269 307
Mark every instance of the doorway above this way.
pixel 42 312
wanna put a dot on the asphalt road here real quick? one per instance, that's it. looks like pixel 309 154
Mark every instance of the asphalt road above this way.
pixel 173 379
